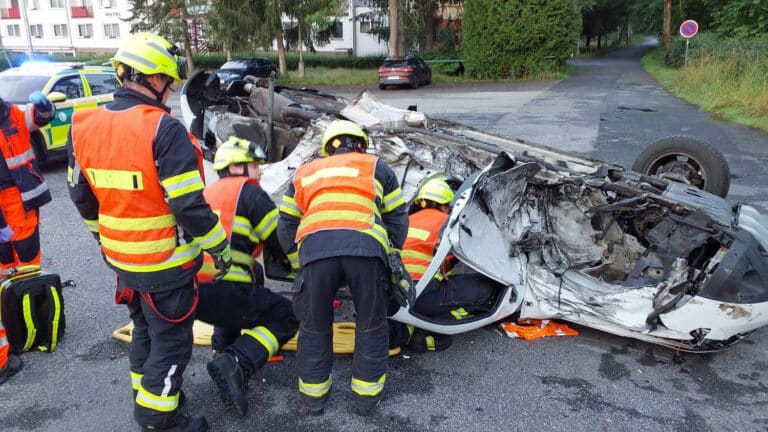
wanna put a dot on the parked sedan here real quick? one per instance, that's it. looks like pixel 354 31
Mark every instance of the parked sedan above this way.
pixel 238 68
pixel 412 71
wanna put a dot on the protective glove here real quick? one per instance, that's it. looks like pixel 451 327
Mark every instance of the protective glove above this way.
pixel 38 98
pixel 5 234
pixel 222 259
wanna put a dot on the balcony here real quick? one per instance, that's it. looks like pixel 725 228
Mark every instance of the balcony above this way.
pixel 82 12
pixel 10 13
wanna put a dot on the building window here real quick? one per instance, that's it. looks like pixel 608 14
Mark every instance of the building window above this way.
pixel 57 4
pixel 337 30
pixel 34 5
pixel 60 30
pixel 111 31
pixel 85 31
pixel 13 30
pixel 36 31
pixel 369 26
pixel 108 4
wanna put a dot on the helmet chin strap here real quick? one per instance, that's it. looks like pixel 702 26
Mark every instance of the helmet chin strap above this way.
pixel 158 94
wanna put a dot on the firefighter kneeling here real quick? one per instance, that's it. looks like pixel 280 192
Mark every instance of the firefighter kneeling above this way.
pixel 239 300
pixel 449 295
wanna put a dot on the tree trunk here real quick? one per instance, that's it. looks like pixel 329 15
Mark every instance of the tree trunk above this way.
pixel 187 41
pixel 666 35
pixel 396 42
pixel 301 50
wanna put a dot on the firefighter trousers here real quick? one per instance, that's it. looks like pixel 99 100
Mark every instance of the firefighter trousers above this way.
pixel 4 346
pixel 24 247
pixel 318 282
pixel 267 318
pixel 453 298
pixel 160 350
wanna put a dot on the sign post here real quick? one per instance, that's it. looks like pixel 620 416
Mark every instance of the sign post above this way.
pixel 687 30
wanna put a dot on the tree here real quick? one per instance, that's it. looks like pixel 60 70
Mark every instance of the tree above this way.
pixel 169 18
pixel 666 33
pixel 396 41
pixel 515 38
pixel 237 23
pixel 311 15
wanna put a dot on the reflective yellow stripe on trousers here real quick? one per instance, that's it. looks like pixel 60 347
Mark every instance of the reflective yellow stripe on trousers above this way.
pixel 368 388
pixel 315 390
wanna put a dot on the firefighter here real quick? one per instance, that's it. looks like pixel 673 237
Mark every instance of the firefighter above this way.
pixel 9 365
pixel 448 296
pixel 134 177
pixel 338 219
pixel 239 300
pixel 22 188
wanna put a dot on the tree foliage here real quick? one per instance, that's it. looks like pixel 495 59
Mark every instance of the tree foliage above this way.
pixel 514 38
pixel 238 23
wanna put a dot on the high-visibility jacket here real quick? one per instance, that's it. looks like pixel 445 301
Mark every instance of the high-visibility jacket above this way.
pixel 423 235
pixel 4 346
pixel 134 238
pixel 339 193
pixel 15 144
pixel 223 197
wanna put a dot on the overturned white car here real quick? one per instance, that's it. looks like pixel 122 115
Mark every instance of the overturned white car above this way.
pixel 648 257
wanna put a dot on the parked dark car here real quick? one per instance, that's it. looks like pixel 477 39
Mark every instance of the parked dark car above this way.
pixel 410 71
pixel 237 68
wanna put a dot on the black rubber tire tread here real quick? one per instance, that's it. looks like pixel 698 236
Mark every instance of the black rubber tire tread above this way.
pixel 712 161
pixel 382 86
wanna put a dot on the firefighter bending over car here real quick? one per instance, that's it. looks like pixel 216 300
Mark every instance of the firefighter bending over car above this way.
pixel 338 219
pixel 239 300
pixel 22 188
pixel 449 296
pixel 134 177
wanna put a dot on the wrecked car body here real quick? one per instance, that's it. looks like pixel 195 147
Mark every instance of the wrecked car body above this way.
pixel 565 237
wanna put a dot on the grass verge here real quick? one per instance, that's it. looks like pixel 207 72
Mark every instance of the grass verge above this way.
pixel 727 88
pixel 322 76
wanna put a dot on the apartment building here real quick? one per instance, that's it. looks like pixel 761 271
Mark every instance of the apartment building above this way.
pixel 63 26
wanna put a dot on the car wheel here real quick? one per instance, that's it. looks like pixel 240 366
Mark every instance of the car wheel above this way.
pixel 382 86
pixel 415 83
pixel 686 160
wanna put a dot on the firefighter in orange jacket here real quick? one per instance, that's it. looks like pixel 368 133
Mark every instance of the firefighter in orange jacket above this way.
pixel 344 211
pixel 239 300
pixel 134 177
pixel 448 296
pixel 22 188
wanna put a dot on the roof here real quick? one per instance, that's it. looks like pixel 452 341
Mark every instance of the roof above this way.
pixel 54 68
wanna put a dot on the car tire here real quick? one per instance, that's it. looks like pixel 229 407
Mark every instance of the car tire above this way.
pixel 415 83
pixel 382 87
pixel 687 160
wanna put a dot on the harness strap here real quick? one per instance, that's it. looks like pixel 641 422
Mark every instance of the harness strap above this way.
pixel 148 298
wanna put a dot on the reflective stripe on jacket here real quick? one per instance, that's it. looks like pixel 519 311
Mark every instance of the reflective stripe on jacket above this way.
pixel 15 143
pixel 423 235
pixel 223 197
pixel 339 193
pixel 135 238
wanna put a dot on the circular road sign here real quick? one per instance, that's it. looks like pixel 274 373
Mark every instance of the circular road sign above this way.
pixel 689 28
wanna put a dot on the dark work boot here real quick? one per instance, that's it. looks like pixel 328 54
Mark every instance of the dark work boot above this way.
pixel 179 423
pixel 231 379
pixel 366 407
pixel 13 365
pixel 424 341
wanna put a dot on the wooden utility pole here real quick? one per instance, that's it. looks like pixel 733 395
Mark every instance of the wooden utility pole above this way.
pixel 666 34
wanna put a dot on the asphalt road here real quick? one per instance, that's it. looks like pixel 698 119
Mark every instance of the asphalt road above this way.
pixel 609 110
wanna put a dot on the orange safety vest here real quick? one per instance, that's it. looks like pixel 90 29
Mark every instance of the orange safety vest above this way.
pixel 419 246
pixel 4 346
pixel 134 237
pixel 337 193
pixel 223 197
pixel 16 147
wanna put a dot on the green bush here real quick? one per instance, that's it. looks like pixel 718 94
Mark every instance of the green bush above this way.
pixel 518 38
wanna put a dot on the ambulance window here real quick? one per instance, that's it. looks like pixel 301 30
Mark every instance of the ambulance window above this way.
pixel 70 86
pixel 102 83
